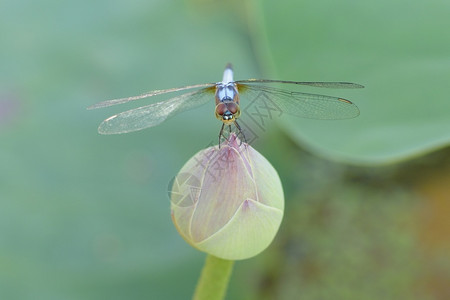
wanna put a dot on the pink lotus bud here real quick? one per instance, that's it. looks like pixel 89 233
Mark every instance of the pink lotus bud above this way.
pixel 228 202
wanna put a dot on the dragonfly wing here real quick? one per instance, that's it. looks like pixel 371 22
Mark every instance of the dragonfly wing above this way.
pixel 154 114
pixel 311 106
pixel 330 85
pixel 147 95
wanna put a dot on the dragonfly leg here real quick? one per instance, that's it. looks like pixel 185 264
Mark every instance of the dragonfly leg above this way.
pixel 221 134
pixel 240 132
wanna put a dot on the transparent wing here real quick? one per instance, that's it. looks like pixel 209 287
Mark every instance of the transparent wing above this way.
pixel 148 94
pixel 330 85
pixel 154 114
pixel 311 106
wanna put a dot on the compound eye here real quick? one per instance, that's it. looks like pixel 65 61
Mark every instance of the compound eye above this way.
pixel 221 108
pixel 232 107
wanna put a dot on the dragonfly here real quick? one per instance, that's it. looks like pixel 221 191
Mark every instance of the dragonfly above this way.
pixel 227 94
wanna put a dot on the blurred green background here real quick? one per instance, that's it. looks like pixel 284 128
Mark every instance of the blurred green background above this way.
pixel 84 216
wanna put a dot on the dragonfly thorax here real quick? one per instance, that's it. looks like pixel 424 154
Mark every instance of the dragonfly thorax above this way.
pixel 226 92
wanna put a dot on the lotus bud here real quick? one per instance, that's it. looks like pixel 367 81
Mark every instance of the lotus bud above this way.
pixel 228 201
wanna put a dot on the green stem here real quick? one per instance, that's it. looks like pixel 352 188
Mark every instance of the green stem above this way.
pixel 213 281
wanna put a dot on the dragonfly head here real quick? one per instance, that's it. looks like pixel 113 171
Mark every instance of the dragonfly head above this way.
pixel 227 112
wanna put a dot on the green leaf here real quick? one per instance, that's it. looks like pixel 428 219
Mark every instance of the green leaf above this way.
pixel 401 58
